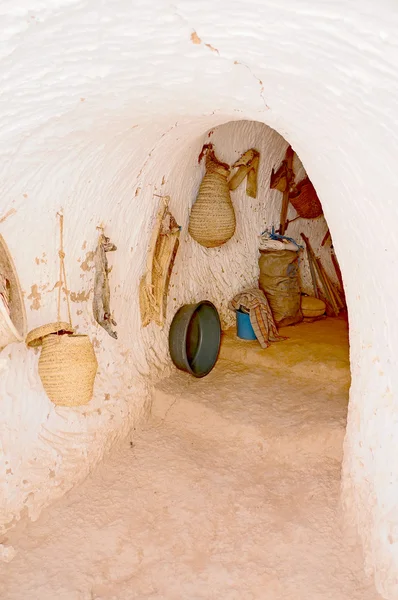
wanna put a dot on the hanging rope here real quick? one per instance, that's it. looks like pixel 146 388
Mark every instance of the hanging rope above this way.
pixel 62 271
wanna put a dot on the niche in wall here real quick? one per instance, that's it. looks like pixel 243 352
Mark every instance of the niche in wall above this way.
pixel 13 320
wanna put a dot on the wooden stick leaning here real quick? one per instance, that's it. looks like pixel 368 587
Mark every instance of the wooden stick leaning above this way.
pixel 339 277
pixel 334 292
pixel 313 276
pixel 321 277
pixel 326 237
pixel 327 285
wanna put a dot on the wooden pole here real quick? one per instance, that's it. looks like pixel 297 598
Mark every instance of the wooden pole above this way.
pixel 332 287
pixel 326 237
pixel 321 277
pixel 313 276
pixel 327 286
pixel 285 198
pixel 338 272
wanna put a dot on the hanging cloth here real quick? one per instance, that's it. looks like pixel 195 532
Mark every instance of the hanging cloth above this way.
pixel 261 318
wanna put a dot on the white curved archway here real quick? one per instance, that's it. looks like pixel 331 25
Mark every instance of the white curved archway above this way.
pixel 99 104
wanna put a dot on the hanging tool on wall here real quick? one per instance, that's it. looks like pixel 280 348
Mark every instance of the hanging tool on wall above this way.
pixel 282 180
pixel 102 294
pixel 247 166
pixel 302 195
pixel 162 252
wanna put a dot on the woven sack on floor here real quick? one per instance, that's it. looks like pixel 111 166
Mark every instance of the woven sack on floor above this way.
pixel 306 202
pixel 279 281
pixel 212 221
pixel 67 369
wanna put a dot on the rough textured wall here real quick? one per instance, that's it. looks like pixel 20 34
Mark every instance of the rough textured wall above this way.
pixel 98 102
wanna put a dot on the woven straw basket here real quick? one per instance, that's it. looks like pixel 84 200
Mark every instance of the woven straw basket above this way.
pixel 67 363
pixel 307 203
pixel 312 307
pixel 212 220
pixel 34 339
pixel 67 369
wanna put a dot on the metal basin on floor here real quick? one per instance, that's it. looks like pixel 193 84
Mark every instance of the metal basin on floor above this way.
pixel 195 337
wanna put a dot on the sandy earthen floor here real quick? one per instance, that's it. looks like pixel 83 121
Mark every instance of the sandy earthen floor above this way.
pixel 230 491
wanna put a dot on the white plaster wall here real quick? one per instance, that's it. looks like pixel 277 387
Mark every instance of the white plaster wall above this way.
pixel 99 102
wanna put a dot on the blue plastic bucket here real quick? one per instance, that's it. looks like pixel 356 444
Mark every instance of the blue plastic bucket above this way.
pixel 244 328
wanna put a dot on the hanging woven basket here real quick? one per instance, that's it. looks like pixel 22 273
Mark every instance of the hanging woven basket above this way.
pixel 67 369
pixel 212 220
pixel 67 363
pixel 306 201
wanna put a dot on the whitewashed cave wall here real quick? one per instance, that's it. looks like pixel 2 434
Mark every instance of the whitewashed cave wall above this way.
pixel 99 100
pixel 46 449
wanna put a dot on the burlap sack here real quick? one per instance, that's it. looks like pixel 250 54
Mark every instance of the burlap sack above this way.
pixel 280 283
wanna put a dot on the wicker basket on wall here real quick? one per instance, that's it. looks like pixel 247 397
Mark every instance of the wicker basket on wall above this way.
pixel 305 200
pixel 212 221
pixel 67 363
pixel 67 368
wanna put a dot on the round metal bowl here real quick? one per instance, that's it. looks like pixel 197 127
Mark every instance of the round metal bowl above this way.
pixel 195 337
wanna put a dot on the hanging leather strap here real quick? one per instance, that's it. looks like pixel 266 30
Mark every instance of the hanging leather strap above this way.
pixel 247 166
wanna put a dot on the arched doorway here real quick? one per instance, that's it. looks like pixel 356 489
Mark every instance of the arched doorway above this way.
pixel 321 76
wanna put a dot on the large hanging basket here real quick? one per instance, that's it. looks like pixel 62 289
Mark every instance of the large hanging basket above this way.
pixel 67 363
pixel 212 221
pixel 306 201
pixel 67 369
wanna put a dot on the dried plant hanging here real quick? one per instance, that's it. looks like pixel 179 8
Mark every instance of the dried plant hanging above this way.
pixel 212 221
pixel 160 261
pixel 247 166
pixel 102 294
